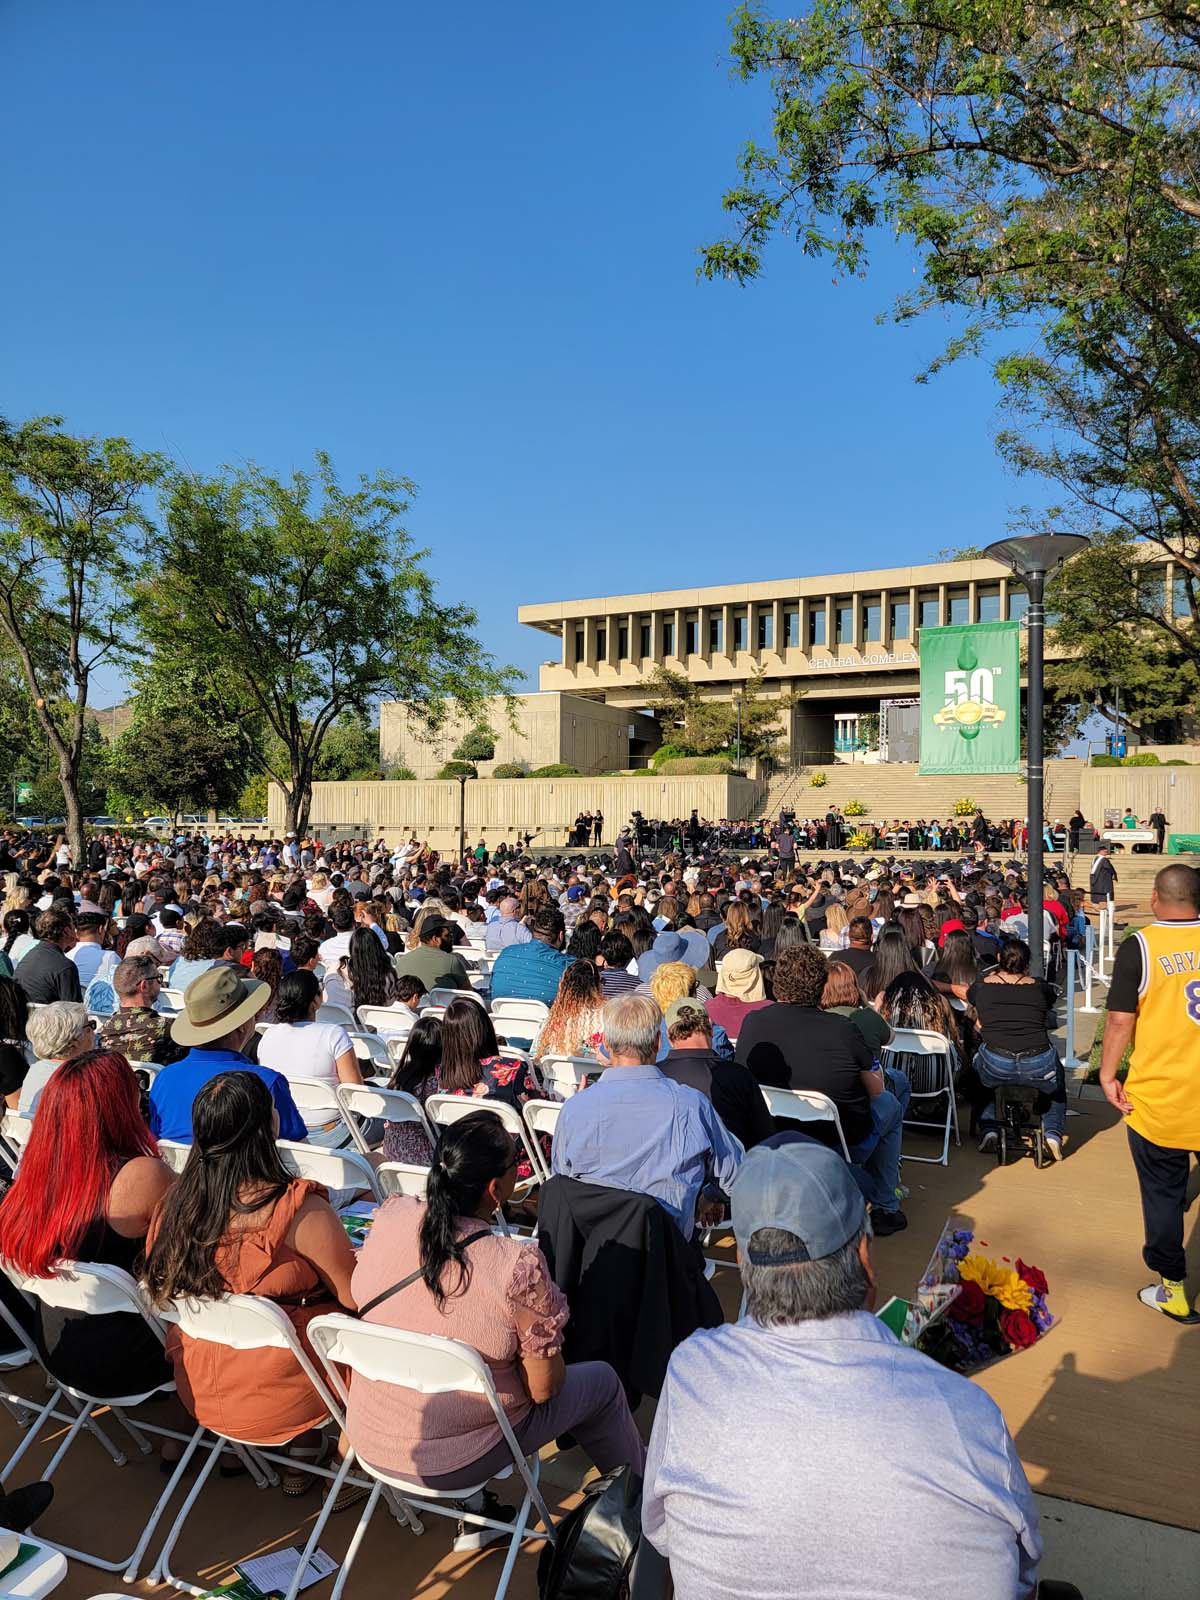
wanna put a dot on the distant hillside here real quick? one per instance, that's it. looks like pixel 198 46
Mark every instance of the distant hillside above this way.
pixel 114 720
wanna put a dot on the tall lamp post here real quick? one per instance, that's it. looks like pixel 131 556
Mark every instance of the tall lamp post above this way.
pixel 463 779
pixel 1033 558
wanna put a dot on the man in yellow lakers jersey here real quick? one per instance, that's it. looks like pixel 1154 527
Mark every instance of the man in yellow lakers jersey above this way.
pixel 1154 1001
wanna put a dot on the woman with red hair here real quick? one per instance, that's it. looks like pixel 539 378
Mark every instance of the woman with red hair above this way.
pixel 87 1186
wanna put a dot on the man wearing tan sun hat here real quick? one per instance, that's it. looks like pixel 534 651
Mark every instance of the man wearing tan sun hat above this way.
pixel 216 1024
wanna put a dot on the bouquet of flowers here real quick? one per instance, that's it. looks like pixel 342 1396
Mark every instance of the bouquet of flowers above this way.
pixel 969 1308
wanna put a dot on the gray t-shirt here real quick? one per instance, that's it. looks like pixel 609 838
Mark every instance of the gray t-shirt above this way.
pixel 826 1458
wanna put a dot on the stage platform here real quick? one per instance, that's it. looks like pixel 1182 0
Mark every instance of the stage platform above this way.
pixel 1105 1410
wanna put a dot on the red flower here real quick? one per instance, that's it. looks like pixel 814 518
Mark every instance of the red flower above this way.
pixel 969 1305
pixel 1018 1329
pixel 1033 1276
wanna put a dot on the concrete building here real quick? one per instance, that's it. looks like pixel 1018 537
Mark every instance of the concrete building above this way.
pixel 845 644
pixel 537 731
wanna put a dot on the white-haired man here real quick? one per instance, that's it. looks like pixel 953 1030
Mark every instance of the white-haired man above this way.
pixel 637 1129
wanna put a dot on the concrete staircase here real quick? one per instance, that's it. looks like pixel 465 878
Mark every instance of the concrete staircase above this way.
pixel 897 791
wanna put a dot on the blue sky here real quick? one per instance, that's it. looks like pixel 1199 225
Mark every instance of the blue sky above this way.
pixel 460 243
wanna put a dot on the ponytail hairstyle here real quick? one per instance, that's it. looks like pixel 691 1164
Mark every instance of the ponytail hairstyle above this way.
pixel 16 922
pixel 470 1154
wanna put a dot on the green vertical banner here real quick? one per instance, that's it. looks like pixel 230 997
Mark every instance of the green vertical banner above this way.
pixel 971 698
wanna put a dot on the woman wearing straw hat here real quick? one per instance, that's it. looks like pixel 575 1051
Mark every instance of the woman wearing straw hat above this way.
pixel 740 991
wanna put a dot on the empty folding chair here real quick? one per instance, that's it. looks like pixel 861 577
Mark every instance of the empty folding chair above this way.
pixel 439 996
pixel 522 1017
pixel 927 1061
pixel 98 1290
pixel 343 1172
pixel 568 1074
pixel 427 1365
pixel 248 1322
pixel 372 1052
pixel 541 1116
pixel 389 1022
pixel 804 1105
pixel 443 1110
pixel 363 1102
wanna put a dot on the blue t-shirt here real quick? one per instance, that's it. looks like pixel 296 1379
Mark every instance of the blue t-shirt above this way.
pixel 175 1088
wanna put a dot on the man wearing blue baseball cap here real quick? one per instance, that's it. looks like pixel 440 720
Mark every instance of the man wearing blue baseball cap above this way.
pixel 804 1451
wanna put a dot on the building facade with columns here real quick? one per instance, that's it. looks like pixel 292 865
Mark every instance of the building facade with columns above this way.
pixel 843 647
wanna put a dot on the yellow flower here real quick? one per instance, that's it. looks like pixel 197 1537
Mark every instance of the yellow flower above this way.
pixel 1001 1282
pixel 1013 1294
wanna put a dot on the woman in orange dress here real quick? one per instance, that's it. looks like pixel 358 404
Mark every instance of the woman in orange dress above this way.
pixel 237 1222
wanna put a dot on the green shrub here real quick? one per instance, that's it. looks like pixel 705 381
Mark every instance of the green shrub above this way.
pixel 695 766
pixel 508 769
pixel 667 752
pixel 556 769
pixel 1177 762
pixel 1106 761
pixel 854 808
pixel 458 769
pixel 1142 758
pixel 403 774
pixel 817 781
pixel 965 807
pixel 478 745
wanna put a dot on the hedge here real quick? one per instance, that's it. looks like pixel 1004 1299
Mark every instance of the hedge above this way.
pixel 694 766
pixel 458 769
pixel 508 769
pixel 404 774
pixel 556 769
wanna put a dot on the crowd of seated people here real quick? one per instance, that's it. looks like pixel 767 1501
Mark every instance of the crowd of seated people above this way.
pixel 690 987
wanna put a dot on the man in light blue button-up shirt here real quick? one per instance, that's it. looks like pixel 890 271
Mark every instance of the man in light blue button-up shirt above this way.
pixel 637 1129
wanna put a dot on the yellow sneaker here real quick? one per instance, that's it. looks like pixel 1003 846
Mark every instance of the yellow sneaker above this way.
pixel 1170 1297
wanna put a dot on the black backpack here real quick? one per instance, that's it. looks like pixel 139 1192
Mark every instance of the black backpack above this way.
pixel 596 1544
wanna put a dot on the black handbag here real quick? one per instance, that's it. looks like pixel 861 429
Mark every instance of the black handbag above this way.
pixel 596 1542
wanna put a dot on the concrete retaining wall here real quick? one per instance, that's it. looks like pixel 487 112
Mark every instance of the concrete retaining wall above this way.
pixel 500 808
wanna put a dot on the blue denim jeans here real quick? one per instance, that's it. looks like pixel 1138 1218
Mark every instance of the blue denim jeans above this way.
pixel 1040 1070
pixel 875 1161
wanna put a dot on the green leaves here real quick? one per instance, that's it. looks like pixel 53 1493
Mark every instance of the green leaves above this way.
pixel 312 600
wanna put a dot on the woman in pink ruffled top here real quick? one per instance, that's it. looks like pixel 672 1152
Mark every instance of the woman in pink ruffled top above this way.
pixel 494 1293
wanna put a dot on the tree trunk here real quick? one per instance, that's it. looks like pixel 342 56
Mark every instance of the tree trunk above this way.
pixel 303 807
pixel 70 789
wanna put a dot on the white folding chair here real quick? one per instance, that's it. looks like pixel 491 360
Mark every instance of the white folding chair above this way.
pixel 94 1289
pixel 566 1075
pixel 432 1011
pixel 804 1105
pixel 403 1177
pixel 248 1322
pixel 316 1101
pixel 336 1169
pixel 520 1016
pixel 329 1012
pixel 38 1576
pixel 541 1116
pixel 370 1049
pixel 172 998
pixel 927 1061
pixel 439 996
pixel 14 1136
pixel 389 1022
pixel 361 1102
pixel 175 1153
pixel 443 1110
pixel 426 1365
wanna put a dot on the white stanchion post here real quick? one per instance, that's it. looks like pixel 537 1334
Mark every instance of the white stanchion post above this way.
pixel 1070 1060
pixel 1101 940
pixel 1112 922
pixel 1089 955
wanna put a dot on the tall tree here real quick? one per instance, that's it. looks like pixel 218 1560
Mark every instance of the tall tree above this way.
pixel 73 534
pixel 698 726
pixel 313 602
pixel 182 750
pixel 1043 161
